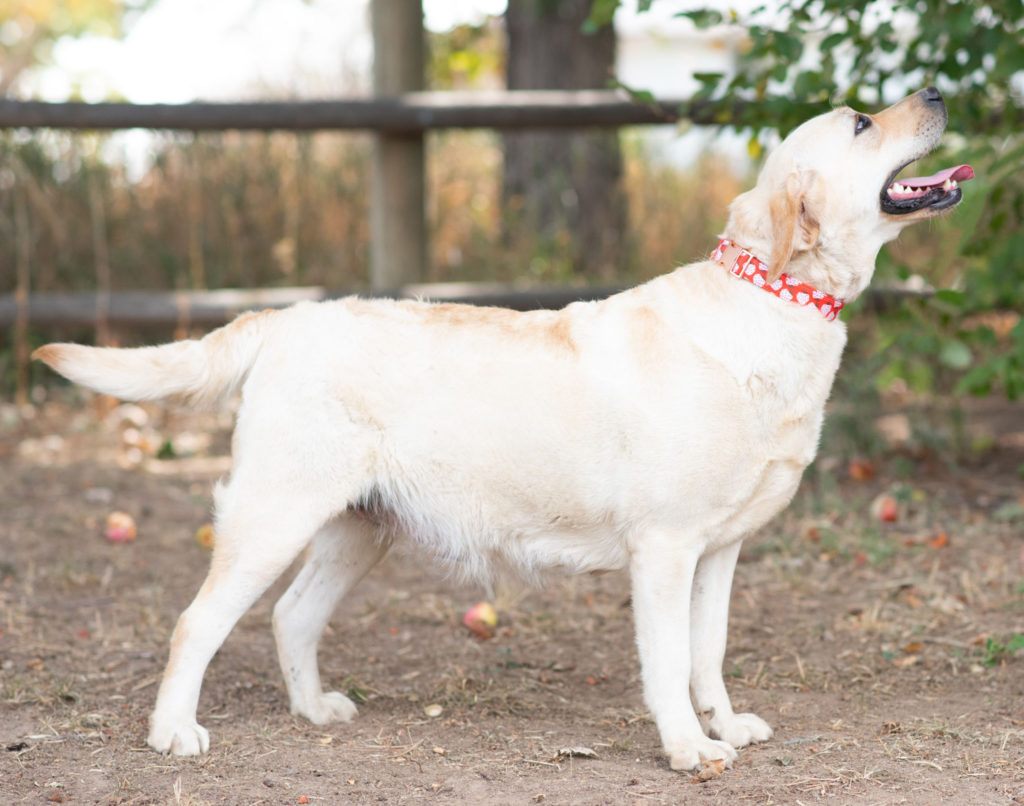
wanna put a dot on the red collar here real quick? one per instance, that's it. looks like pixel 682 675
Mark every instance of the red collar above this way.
pixel 743 264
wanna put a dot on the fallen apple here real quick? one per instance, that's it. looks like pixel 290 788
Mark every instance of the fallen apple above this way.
pixel 481 619
pixel 861 469
pixel 204 536
pixel 120 527
pixel 885 508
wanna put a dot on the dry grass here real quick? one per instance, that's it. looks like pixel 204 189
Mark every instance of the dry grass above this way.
pixel 252 210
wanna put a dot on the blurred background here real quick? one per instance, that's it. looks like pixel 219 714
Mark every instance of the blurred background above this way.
pixel 146 210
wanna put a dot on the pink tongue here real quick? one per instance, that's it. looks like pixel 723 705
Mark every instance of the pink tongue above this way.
pixel 960 173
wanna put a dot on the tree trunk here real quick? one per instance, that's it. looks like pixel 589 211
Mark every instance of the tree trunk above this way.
pixel 563 189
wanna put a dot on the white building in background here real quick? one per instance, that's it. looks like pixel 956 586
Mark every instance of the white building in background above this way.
pixel 660 54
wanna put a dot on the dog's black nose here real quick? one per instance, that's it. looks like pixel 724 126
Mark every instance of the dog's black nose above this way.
pixel 932 95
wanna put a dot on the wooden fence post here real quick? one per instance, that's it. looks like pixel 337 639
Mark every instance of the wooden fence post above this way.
pixel 398 249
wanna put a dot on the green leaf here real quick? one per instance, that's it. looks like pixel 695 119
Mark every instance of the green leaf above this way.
pixel 166 450
pixel 920 378
pixel 355 692
pixel 1012 511
pixel 978 381
pixel 1017 334
pixel 954 353
pixel 788 47
pixel 951 296
pixel 708 78
pixel 703 18
pixel 645 97
pixel 601 14
pixel 832 41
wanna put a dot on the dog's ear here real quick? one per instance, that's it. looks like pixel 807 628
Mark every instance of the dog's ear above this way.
pixel 795 225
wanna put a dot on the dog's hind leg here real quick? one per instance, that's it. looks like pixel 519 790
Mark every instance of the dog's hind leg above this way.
pixel 262 525
pixel 342 552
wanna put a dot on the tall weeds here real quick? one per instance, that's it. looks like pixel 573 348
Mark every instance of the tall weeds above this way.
pixel 250 210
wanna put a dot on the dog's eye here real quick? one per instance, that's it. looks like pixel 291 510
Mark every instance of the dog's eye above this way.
pixel 863 122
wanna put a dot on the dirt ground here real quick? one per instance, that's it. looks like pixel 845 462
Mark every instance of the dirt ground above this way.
pixel 881 652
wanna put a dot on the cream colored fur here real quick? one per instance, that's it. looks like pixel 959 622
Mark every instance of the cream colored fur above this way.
pixel 652 431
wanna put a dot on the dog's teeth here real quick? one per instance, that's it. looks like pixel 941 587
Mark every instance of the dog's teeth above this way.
pixel 899 188
pixel 953 183
pixel 947 185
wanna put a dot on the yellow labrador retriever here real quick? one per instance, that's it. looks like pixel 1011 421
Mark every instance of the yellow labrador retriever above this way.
pixel 651 431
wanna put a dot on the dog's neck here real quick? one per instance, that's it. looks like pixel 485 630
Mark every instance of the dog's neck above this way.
pixel 743 263
pixel 842 266
pixel 840 260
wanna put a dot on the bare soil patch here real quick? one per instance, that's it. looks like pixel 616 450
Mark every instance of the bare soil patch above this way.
pixel 881 652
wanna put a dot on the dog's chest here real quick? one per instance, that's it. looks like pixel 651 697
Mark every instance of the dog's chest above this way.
pixel 786 412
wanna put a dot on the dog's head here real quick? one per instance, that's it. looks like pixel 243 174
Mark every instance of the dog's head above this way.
pixel 828 196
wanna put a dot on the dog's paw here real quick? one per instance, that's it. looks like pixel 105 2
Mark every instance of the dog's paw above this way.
pixel 693 753
pixel 331 706
pixel 739 730
pixel 189 739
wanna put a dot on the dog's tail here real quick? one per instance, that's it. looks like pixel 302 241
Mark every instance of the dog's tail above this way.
pixel 197 373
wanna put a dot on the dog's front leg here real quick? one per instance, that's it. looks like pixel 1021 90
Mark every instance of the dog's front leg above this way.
pixel 709 619
pixel 661 569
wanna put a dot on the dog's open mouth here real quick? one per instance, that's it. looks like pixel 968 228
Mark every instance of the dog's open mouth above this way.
pixel 936 192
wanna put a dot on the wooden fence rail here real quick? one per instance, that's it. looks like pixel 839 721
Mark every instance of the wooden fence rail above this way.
pixel 410 112
pixel 141 310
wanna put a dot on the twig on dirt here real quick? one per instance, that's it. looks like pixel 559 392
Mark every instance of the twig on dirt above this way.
pixel 811 780
pixel 893 583
pixel 921 761
pixel 757 676
pixel 407 750
pixel 870 776
pixel 396 749
pixel 946 642
pixel 844 775
pixel 800 668
pixel 146 682
pixel 804 740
